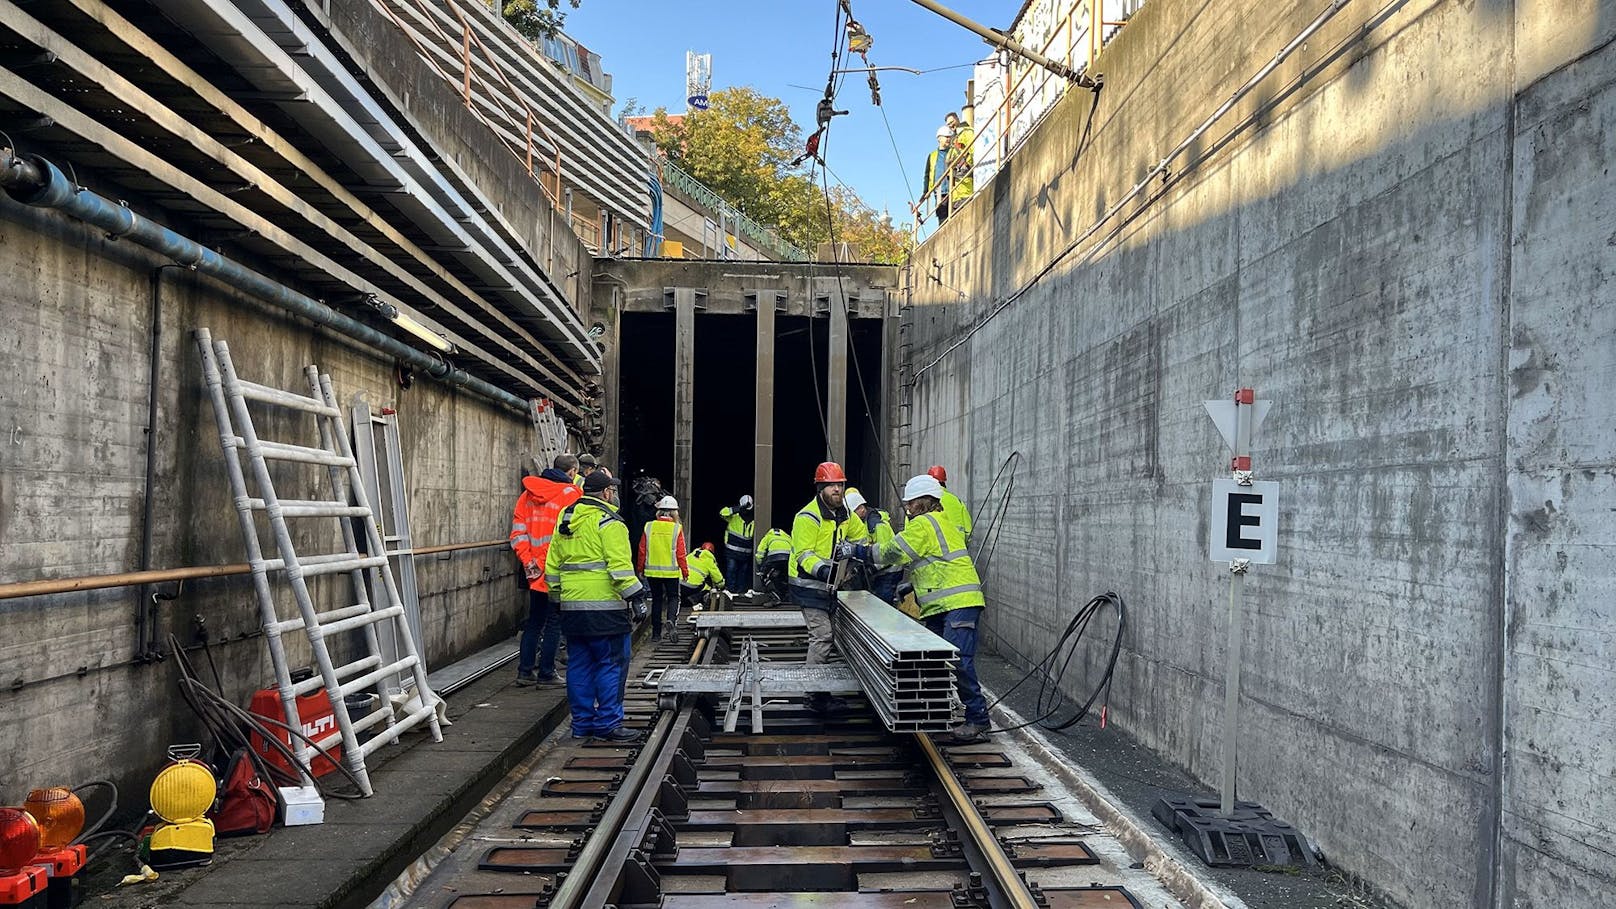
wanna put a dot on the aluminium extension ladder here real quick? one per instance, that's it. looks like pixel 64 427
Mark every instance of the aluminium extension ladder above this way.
pixel 550 429
pixel 238 437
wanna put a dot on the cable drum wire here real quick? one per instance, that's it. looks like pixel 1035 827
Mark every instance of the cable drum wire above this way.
pixel 1051 670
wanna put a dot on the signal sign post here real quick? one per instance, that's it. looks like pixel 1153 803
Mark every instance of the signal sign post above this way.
pixel 1244 531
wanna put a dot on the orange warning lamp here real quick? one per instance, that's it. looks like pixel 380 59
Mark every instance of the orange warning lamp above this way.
pixel 60 815
pixel 21 884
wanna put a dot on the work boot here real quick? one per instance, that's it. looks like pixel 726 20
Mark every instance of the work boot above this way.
pixel 963 734
pixel 818 703
pixel 656 636
pixel 621 734
pixel 526 679
pixel 550 681
pixel 673 636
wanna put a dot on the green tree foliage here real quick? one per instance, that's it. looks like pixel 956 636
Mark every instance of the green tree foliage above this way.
pixel 536 19
pixel 742 147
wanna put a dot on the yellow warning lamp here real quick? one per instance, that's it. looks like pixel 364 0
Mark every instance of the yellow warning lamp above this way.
pixel 181 795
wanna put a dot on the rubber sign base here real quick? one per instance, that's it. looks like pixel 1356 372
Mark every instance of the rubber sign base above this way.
pixel 1249 836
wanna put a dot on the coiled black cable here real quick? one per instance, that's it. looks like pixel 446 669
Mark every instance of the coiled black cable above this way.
pixel 1050 675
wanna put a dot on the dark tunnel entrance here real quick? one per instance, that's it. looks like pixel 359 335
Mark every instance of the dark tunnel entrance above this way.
pixel 725 401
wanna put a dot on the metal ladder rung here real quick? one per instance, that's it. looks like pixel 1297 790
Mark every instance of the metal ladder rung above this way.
pixel 316 681
pixel 374 676
pixel 379 715
pixel 386 735
pixel 324 617
pixel 252 391
pixel 333 563
pixel 282 451
pixel 310 508
pixel 359 621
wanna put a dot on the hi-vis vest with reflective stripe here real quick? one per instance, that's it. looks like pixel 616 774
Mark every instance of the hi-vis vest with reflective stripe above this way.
pixel 882 535
pixel 944 576
pixel 704 573
pixel 589 560
pixel 776 542
pixel 955 511
pixel 661 542
pixel 814 536
pixel 737 531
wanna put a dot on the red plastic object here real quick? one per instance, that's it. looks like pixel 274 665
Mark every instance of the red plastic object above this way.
pixel 1245 395
pixel 829 472
pixel 19 838
pixel 318 722
pixel 938 472
pixel 64 862
pixel 1242 462
pixel 26 888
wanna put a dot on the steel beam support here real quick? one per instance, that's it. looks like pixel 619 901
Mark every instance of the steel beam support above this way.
pixel 684 394
pixel 763 442
pixel 611 368
pixel 836 380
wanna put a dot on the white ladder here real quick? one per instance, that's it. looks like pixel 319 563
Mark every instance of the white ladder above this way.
pixel 230 396
pixel 550 429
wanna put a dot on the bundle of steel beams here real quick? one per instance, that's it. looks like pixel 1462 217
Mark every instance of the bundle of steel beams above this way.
pixel 906 671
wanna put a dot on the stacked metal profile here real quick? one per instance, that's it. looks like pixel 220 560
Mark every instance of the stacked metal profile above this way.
pixel 906 671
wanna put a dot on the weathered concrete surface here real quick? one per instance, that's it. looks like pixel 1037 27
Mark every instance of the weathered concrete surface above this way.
pixel 1408 247
pixel 73 385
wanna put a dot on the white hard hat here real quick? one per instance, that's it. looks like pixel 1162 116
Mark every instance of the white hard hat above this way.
pixel 854 499
pixel 668 503
pixel 923 485
pixel 746 501
pixel 944 132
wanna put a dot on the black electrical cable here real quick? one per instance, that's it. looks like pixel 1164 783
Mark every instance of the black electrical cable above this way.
pixel 112 808
pixel 231 726
pixel 115 834
pixel 1050 676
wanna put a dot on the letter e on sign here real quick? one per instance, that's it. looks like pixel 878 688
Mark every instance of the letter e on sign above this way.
pixel 1245 522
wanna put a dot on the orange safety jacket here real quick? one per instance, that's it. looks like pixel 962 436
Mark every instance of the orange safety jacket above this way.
pixel 534 518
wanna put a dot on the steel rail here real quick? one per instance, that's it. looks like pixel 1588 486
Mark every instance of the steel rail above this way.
pixel 596 871
pixel 1006 889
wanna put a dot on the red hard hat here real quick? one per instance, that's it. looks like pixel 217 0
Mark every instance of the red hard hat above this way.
pixel 937 473
pixel 829 472
pixel 707 546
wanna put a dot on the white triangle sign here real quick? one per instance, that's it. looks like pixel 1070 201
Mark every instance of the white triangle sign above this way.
pixel 1223 417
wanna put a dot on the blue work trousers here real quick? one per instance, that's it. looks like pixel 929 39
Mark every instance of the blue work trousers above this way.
pixel 885 586
pixel 958 627
pixel 737 570
pixel 541 637
pixel 596 667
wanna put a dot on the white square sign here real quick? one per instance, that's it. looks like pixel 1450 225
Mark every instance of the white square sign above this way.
pixel 1245 522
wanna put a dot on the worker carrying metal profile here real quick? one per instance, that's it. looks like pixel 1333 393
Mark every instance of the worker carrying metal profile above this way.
pixel 738 543
pixel 947 588
pixel 884 580
pixel 816 534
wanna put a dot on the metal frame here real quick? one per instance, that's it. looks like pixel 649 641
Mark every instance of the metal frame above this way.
pixel 381 468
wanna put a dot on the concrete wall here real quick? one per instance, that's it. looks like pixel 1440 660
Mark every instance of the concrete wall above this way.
pixel 1408 247
pixel 73 387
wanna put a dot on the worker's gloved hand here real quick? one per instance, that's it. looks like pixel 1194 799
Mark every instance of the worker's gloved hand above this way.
pixel 639 607
pixel 822 573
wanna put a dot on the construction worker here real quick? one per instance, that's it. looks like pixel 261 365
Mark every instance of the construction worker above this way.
pixel 600 597
pixel 937 173
pixel 773 563
pixel 704 578
pixel 738 543
pixel 960 158
pixel 532 523
pixel 952 506
pixel 817 530
pixel 947 588
pixel 661 561
pixel 884 580
pixel 586 466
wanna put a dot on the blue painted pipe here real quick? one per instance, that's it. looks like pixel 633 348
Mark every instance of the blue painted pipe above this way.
pixel 35 181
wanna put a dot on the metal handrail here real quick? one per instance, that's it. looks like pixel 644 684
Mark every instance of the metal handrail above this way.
pixel 678 178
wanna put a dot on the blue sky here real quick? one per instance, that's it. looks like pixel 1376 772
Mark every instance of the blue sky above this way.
pixel 774 45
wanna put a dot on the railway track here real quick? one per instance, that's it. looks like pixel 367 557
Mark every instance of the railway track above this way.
pixel 814 812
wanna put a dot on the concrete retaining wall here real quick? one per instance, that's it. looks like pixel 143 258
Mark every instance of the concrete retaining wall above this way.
pixel 73 386
pixel 1409 248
